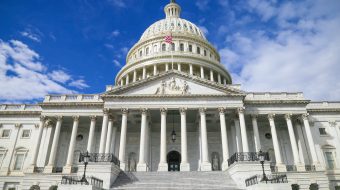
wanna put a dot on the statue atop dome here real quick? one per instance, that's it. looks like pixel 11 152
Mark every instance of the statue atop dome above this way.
pixel 172 1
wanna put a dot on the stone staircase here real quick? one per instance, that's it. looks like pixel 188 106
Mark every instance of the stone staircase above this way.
pixel 174 180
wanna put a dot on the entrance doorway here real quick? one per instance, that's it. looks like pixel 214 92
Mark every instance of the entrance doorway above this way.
pixel 174 160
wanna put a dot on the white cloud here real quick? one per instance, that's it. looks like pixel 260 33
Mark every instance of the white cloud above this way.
pixel 115 33
pixel 80 84
pixel 59 76
pixel 23 78
pixel 31 36
pixel 204 30
pixel 116 63
pixel 301 55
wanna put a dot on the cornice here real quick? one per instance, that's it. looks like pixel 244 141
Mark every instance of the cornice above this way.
pixel 20 113
pixel 71 104
pixel 226 89
pixel 256 102
pixel 323 109
pixel 172 96
pixel 167 56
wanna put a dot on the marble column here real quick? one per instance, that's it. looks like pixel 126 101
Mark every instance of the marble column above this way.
pixel 202 72
pixel 191 70
pixel 114 137
pixel 293 143
pixel 205 163
pixel 311 142
pixel 256 133
pixel 179 67
pixel 224 139
pixel 154 69
pixel 134 76
pixel 109 136
pixel 211 75
pixel 54 147
pixel 243 130
pixel 144 73
pixel 122 143
pixel 166 67
pixel 103 131
pixel 69 162
pixel 301 142
pixel 141 166
pixel 127 79
pixel 185 166
pixel 238 140
pixel 163 165
pixel 277 151
pixel 33 164
pixel 91 133
pixel 219 78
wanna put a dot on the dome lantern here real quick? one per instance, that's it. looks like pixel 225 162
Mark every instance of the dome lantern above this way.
pixel 172 10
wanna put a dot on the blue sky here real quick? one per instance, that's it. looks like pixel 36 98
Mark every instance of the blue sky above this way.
pixel 62 46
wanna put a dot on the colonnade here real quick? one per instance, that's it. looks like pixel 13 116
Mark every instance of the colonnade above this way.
pixel 108 134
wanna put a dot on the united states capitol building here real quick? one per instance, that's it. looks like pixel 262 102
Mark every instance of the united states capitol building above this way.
pixel 173 115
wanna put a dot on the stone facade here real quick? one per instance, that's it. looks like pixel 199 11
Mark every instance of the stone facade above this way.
pixel 186 90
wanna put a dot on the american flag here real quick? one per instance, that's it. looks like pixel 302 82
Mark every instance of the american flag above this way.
pixel 168 39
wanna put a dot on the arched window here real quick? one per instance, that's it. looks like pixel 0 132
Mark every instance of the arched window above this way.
pixel 140 53
pixel 155 48
pixel 198 50
pixel 147 51
pixel 163 47
pixel 190 48
pixel 181 47
pixel 205 52
pixel 19 158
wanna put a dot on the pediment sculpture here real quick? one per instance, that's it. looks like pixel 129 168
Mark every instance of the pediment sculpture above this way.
pixel 173 87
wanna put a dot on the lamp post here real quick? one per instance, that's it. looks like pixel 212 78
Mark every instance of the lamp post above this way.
pixel 262 159
pixel 86 161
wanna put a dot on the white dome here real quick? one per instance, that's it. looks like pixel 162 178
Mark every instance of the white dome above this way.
pixel 172 25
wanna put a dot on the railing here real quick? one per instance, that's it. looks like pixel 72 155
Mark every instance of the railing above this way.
pixel 38 169
pixel 291 168
pixel 68 180
pixel 251 181
pixel 97 157
pixel 57 170
pixel 246 156
pixel 270 179
pixel 310 168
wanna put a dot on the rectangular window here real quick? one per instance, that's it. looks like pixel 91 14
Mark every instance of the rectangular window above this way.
pixel 26 133
pixel 198 50
pixel 5 133
pixel 330 160
pixel 19 162
pixel 337 187
pixel 205 52
pixel 172 47
pixel 2 156
pixel 322 131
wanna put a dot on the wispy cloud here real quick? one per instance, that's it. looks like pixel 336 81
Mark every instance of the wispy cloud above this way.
pixel 115 33
pixel 32 33
pixel 117 63
pixel 117 3
pixel 299 52
pixel 202 4
pixel 80 84
pixel 23 77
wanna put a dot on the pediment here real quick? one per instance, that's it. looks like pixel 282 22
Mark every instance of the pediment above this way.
pixel 175 84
